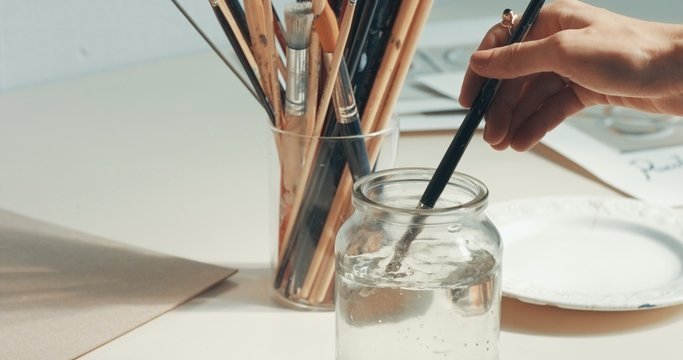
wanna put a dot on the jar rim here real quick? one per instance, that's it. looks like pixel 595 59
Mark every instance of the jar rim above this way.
pixel 423 174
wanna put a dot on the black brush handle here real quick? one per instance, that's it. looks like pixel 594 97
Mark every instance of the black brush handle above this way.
pixel 362 23
pixel 245 64
pixel 450 160
pixel 371 48
pixel 240 18
pixel 456 149
pixel 481 104
pixel 355 151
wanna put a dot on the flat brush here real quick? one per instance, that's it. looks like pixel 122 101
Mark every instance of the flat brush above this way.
pixel 325 175
pixel 298 22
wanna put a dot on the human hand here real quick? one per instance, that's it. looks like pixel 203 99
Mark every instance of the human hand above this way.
pixel 576 55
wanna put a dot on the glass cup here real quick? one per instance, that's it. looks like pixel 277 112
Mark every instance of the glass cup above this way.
pixel 417 284
pixel 311 182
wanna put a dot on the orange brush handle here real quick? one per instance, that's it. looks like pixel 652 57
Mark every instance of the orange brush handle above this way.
pixel 328 29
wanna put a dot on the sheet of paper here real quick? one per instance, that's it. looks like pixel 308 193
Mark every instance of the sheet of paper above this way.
pixel 648 166
pixel 447 84
pixel 432 122
pixel 64 293
pixel 433 103
pixel 435 76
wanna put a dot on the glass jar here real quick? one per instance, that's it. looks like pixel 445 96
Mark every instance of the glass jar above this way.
pixel 311 187
pixel 438 299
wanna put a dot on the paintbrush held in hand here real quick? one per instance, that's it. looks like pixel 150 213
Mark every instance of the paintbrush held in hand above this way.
pixel 298 72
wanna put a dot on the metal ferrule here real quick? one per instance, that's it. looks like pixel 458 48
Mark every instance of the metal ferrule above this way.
pixel 421 206
pixel 297 81
pixel 344 102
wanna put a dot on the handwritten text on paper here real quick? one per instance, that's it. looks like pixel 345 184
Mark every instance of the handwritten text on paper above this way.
pixel 651 167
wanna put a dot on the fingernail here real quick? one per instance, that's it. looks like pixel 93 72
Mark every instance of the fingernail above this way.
pixel 480 59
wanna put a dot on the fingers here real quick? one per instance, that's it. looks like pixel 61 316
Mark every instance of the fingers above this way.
pixel 496 36
pixel 538 54
pixel 554 110
pixel 537 92
pixel 499 115
pixel 530 97
pixel 494 60
pixel 517 60
pixel 543 102
pixel 534 98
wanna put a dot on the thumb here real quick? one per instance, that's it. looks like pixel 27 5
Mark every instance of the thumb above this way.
pixel 515 60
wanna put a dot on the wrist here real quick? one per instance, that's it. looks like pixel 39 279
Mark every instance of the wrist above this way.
pixel 672 70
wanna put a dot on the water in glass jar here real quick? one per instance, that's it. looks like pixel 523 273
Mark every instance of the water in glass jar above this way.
pixel 437 306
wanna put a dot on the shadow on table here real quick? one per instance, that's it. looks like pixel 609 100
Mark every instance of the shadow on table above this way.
pixel 249 289
pixel 64 292
pixel 527 318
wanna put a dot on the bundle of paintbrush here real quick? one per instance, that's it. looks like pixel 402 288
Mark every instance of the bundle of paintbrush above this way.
pixel 328 78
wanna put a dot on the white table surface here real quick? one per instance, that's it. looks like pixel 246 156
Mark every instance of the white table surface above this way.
pixel 172 156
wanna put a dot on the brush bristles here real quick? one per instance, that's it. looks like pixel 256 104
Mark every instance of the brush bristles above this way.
pixel 298 22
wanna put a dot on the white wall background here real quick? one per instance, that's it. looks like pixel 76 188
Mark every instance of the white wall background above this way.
pixel 44 40
pixel 47 40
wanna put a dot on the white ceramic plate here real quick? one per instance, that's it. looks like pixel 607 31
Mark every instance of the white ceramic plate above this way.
pixel 591 253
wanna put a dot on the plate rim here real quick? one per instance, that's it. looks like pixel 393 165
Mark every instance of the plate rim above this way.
pixel 512 288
